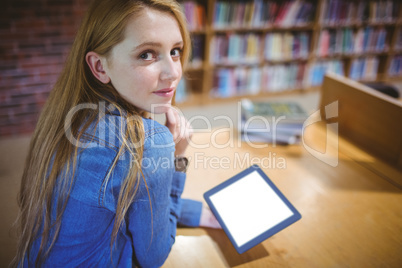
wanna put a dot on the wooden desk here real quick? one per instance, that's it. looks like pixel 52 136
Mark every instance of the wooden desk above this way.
pixel 351 214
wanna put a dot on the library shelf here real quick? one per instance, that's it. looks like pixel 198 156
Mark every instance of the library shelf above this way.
pixel 285 61
pixel 198 32
pixel 239 20
pixel 359 24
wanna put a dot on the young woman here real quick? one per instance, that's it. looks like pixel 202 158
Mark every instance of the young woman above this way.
pixel 102 182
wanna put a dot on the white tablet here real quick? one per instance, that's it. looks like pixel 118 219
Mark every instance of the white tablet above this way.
pixel 250 208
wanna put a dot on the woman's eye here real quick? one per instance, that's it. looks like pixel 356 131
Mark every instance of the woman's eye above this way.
pixel 147 56
pixel 176 52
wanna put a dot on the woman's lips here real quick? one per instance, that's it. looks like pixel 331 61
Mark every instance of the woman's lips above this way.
pixel 165 92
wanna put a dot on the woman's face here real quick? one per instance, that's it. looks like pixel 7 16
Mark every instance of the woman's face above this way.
pixel 145 67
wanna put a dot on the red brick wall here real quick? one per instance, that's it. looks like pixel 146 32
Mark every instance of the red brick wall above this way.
pixel 35 37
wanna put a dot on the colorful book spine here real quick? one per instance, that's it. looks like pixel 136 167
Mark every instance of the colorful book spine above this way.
pixel 294 13
pixel 374 40
pixel 282 77
pixel 323 43
pixel 195 15
pixel 234 49
pixel 332 42
pixel 364 69
pixel 344 41
pixel 286 46
pixel 340 12
pixel 262 13
pixel 315 72
pixel 197 52
pixel 395 67
pixel 382 11
pixel 229 82
pixel 240 14
pixel 398 43
pixel 348 12
pixel 362 12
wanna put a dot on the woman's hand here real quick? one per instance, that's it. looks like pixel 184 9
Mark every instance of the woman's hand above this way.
pixel 180 129
pixel 208 219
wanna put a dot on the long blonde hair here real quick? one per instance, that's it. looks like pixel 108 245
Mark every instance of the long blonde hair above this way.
pixel 51 155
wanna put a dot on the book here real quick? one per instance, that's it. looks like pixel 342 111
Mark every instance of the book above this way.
pixel 271 122
pixel 364 68
pixel 229 82
pixel 235 48
pixel 280 77
pixel 285 46
pixel 395 68
pixel 343 41
pixel 261 13
pixel 195 15
pixel 315 71
pixel 197 54
pixel 335 12
pixel 280 139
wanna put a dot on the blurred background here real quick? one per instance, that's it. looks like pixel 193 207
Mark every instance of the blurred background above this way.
pixel 257 49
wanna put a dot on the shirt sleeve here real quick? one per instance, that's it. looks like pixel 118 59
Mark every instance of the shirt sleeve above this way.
pixel 153 216
pixel 152 226
pixel 157 209
pixel 190 213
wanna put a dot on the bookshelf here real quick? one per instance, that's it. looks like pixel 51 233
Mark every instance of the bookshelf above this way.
pixel 258 48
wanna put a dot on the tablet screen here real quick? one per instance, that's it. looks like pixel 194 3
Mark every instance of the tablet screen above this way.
pixel 249 207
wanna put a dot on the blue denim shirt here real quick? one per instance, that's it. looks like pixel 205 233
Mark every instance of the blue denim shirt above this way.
pixel 149 229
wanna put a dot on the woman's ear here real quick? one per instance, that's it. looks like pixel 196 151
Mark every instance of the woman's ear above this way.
pixel 95 64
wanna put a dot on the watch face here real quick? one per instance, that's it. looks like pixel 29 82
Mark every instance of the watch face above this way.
pixel 181 164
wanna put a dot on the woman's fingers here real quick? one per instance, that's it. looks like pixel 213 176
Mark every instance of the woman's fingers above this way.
pixel 171 120
pixel 173 123
pixel 180 129
pixel 178 125
pixel 208 219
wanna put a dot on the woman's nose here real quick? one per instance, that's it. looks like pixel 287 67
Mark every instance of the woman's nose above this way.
pixel 171 70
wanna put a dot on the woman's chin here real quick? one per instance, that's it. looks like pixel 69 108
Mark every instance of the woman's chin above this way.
pixel 160 108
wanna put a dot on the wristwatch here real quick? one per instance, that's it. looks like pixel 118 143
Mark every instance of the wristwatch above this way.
pixel 181 163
